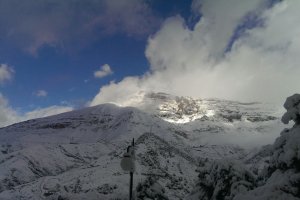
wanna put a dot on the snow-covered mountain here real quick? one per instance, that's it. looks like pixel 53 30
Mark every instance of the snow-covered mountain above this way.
pixel 76 155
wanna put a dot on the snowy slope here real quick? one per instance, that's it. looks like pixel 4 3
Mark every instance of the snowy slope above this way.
pixel 280 179
pixel 76 155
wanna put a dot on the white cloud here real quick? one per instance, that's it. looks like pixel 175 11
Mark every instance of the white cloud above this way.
pixel 10 116
pixel 221 18
pixel 263 64
pixel 105 70
pixel 6 73
pixel 7 114
pixel 41 93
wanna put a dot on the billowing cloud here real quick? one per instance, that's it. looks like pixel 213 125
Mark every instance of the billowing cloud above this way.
pixel 10 116
pixel 221 18
pixel 105 70
pixel 32 24
pixel 261 65
pixel 6 73
pixel 41 93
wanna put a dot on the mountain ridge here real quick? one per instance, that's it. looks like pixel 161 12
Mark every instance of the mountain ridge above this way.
pixel 71 155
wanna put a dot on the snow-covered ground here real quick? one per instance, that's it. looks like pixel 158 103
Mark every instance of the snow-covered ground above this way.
pixel 76 155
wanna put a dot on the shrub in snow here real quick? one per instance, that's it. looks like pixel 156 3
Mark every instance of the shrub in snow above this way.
pixel 286 153
pixel 222 179
pixel 292 105
pixel 281 185
pixel 150 189
pixel 287 147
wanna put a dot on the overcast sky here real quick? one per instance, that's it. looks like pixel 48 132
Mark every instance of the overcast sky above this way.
pixel 56 56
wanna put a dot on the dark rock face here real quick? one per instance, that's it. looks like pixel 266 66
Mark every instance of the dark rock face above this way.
pixel 174 108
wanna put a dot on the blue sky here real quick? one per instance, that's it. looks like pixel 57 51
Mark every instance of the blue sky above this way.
pixel 69 77
pixel 57 56
pixel 66 73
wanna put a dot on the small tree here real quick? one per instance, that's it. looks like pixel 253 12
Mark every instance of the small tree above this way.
pixel 222 179
pixel 292 106
pixel 150 189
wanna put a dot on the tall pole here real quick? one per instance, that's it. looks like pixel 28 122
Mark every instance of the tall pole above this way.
pixel 131 183
pixel 131 175
pixel 128 164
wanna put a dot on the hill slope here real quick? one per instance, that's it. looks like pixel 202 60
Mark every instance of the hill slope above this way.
pixel 76 155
